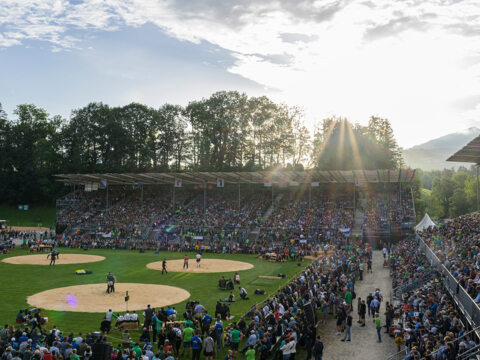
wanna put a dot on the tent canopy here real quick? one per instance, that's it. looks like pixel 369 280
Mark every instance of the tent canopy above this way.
pixel 425 223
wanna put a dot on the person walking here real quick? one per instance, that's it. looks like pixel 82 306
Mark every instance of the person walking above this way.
pixel 378 326
pixel 164 266
pixel 348 327
pixel 185 261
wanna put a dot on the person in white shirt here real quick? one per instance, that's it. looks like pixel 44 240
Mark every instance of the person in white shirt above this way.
pixel 199 257
pixel 134 316
pixel 127 316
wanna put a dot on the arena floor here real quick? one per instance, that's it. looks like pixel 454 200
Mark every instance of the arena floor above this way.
pixel 206 266
pixel 56 289
pixel 92 298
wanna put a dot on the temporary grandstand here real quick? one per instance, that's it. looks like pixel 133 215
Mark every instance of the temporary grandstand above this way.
pixel 100 201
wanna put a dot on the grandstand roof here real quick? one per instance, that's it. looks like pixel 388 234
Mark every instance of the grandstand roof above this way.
pixel 470 153
pixel 255 177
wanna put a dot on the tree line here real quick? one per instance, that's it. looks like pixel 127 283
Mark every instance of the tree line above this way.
pixel 227 131
pixel 447 193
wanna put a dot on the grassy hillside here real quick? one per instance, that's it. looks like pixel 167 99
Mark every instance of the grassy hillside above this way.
pixel 36 215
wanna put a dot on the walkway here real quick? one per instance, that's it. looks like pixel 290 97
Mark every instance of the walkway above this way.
pixel 364 344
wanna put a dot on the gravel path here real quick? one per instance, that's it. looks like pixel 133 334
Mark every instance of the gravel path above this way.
pixel 364 344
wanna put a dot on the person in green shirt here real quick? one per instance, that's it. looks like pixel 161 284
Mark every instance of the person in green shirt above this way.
pixel 187 335
pixel 236 337
pixel 73 355
pixel 137 350
pixel 378 326
pixel 348 299
pixel 250 354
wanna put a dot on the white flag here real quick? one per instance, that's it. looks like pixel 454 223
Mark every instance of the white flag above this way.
pixel 178 182
pixel 220 182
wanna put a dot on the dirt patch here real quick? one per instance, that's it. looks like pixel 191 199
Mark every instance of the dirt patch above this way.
pixel 206 266
pixel 29 228
pixel 64 259
pixel 93 298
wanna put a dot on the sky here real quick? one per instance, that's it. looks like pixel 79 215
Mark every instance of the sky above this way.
pixel 415 62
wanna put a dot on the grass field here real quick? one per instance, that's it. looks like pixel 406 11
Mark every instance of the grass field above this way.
pixel 20 281
pixel 41 215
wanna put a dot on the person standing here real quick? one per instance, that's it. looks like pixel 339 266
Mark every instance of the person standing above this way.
pixel 348 327
pixel 164 266
pixel 199 257
pixel 362 311
pixel 196 346
pixel 360 269
pixel 110 279
pixel 318 348
pixel 236 337
pixel 348 299
pixel 187 335
pixel 53 255
pixel 378 326
pixel 185 261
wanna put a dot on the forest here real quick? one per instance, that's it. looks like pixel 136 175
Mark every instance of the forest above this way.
pixel 228 131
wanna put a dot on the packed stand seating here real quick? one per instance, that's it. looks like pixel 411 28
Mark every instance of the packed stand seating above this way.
pixel 387 209
pixel 456 243
pixel 221 218
pixel 81 207
pixel 425 323
pixel 297 218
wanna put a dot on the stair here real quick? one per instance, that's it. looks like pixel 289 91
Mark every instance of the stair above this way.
pixel 253 235
pixel 358 226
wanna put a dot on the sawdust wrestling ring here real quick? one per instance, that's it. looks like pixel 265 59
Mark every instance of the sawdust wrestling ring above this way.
pixel 206 266
pixel 64 259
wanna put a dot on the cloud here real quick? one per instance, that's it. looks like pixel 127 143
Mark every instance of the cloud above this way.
pixel 394 27
pixel 296 37
pixel 467 103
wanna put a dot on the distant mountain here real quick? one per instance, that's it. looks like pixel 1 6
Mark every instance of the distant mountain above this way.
pixel 432 154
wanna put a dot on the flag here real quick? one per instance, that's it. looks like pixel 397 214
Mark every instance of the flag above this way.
pixel 315 184
pixel 178 183
pixel 267 184
pixel 170 228
pixel 220 183
pixel 103 184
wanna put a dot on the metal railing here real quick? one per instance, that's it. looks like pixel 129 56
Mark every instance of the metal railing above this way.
pixel 398 355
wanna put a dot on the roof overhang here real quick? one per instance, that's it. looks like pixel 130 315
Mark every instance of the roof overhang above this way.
pixel 470 153
pixel 254 177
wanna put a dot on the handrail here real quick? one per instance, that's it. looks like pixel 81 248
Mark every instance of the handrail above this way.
pixel 456 339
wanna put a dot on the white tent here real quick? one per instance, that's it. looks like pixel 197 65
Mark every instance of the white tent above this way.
pixel 425 223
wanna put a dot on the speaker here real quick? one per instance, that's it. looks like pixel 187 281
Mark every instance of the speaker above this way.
pixel 102 351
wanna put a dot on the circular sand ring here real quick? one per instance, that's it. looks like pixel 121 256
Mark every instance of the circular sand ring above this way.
pixel 64 259
pixel 93 298
pixel 206 266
